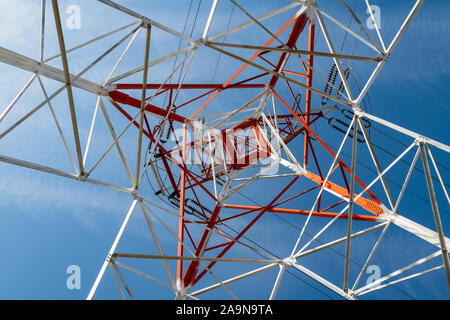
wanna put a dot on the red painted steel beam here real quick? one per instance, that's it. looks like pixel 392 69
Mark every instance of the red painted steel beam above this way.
pixel 297 29
pixel 193 266
pixel 174 86
pixel 309 79
pixel 295 73
pixel 169 173
pixel 365 203
pixel 304 212
pixel 181 222
pixel 221 89
pixel 123 98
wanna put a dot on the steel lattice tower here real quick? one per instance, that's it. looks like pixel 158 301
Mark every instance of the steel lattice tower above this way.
pixel 207 172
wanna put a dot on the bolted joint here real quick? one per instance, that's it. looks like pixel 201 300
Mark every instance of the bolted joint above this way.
pixel 421 140
pixel 302 171
pixel 109 257
pixel 146 24
pixel 388 215
pixel 82 177
pixel 180 290
pixel 289 261
pixel 310 9
pixel 382 56
pixel 136 196
pixel 220 202
pixel 39 67
pixel 351 295
pixel 106 89
pixel 199 42
pixel 356 109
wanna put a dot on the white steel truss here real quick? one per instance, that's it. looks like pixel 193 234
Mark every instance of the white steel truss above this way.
pixel 420 146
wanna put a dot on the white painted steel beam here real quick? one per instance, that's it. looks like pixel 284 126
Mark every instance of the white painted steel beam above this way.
pixel 144 19
pixel 111 251
pixel 22 62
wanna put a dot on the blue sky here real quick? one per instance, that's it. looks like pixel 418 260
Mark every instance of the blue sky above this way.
pixel 48 223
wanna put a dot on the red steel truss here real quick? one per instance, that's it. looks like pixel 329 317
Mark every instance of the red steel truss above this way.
pixel 242 151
